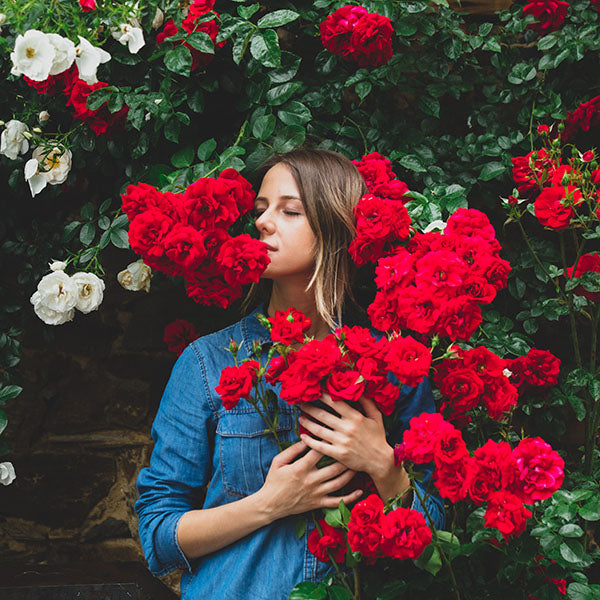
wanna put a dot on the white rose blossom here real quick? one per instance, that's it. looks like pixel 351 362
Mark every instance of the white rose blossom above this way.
pixel 12 140
pixel 435 225
pixel 159 17
pixel 65 53
pixel 55 299
pixel 90 291
pixel 57 265
pixel 33 55
pixel 43 116
pixel 7 473
pixel 88 58
pixel 135 277
pixel 131 35
pixel 36 180
pixel 55 163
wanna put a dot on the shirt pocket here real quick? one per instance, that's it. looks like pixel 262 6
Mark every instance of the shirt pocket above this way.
pixel 246 450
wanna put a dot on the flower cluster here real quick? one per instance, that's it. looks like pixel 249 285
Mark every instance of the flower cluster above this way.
pixel 583 118
pixel 436 284
pixel 186 234
pixel 538 369
pixel 382 220
pixel 58 295
pixel 356 34
pixel 507 479
pixel 549 14
pixel 475 377
pixel 195 21
pixel 178 335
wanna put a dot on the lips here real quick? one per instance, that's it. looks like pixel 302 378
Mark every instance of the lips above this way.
pixel 269 247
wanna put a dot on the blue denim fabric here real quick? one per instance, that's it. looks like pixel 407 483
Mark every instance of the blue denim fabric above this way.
pixel 198 445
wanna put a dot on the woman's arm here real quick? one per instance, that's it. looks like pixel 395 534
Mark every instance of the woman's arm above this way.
pixel 293 485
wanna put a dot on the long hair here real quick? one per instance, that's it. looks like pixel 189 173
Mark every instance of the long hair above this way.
pixel 330 186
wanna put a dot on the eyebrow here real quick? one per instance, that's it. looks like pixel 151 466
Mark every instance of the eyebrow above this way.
pixel 285 197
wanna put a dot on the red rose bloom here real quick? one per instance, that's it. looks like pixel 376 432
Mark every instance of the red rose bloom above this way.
pixel 549 14
pixel 442 270
pixel 541 470
pixel 364 527
pixel 383 393
pixel 587 262
pixel 375 169
pixel 459 318
pixel 383 313
pixel 494 469
pixel 336 29
pixel 51 85
pixel 420 438
pixel 506 513
pixel 531 171
pixel 178 335
pixel 405 533
pixel 361 343
pixel 147 233
pixel 395 190
pixel 500 397
pixel 138 198
pixel 408 360
pixel 485 363
pixel 277 365
pixel 289 326
pixel 212 291
pixel 236 383
pixel 371 40
pixel 449 448
pixel 584 117
pixel 345 385
pixel 87 5
pixel 469 222
pixel 332 542
pixel 380 219
pixel 454 480
pixel 463 388
pixel 550 209
pixel 243 260
pixel 184 245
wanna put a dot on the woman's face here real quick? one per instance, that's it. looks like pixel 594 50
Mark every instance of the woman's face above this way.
pixel 283 225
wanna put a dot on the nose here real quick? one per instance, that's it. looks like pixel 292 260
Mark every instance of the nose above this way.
pixel 264 223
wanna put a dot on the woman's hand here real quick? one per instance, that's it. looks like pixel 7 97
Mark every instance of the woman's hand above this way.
pixel 296 486
pixel 355 440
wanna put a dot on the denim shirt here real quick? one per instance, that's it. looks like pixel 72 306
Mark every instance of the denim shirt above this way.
pixel 201 446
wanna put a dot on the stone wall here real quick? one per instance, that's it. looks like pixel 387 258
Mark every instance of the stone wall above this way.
pixel 80 430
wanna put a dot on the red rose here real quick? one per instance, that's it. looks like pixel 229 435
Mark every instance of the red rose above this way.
pixel 541 470
pixel 212 291
pixel 477 289
pixel 51 85
pixel 549 14
pixel 277 366
pixel 289 326
pixel 138 198
pixel 471 223
pixel 506 513
pixel 396 270
pixel 336 29
pixel 208 204
pixel 394 189
pixel 299 386
pixel 419 439
pixel 419 309
pixel 541 368
pixel 236 383
pixel 364 527
pixel 178 335
pixel 383 393
pixel 587 262
pixel 319 357
pixel 361 343
pixel 530 171
pixel 408 360
pixel 371 40
pixel 87 5
pixel 459 318
pixel 494 468
pixel 169 29
pixel 463 388
pixel 375 169
pixel 345 385
pixel 442 270
pixel 242 260
pixel 380 219
pixel 449 448
pixel 584 117
pixel 147 233
pixel 383 313
pixel 500 397
pixel 405 533
pixel 553 207
pixel 454 480
pixel 184 245
pixel 332 542
pixel 495 270
pixel 485 363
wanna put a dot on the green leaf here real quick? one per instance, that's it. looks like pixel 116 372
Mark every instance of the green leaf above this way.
pixel 179 60
pixel 69 231
pixel 282 93
pixel 491 171
pixel 277 18
pixel 561 56
pixel 104 222
pixel 333 517
pixel 300 527
pixel 98 97
pixel 547 42
pixel 294 113
pixel 572 551
pixel 264 47
pixel 578 407
pixel 87 211
pixel 263 127
pixel 205 149
pixel 591 510
pixel 247 11
pixel 412 163
pixel 430 560
pixel 10 391
pixel 484 29
pixel 430 106
pixel 406 27
pixel 580 591
pixel 570 530
pixel 308 591
pixel 337 592
pixel 183 158
pixel 344 511
pixel 201 41
pixel 104 239
pixel 594 389
pixel 115 103
pixel 288 138
pixel 363 88
pixel 119 238
pixel 195 101
pixel 3 421
pixel 87 234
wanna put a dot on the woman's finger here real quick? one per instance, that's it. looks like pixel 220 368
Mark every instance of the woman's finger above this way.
pixel 322 432
pixel 322 447
pixel 287 456
pixel 329 472
pixel 323 416
pixel 333 485
pixel 310 459
pixel 334 501
pixel 370 407
pixel 341 408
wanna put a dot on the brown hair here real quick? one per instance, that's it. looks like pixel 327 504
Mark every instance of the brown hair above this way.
pixel 330 186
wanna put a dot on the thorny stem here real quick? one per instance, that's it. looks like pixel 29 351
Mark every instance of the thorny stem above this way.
pixel 237 141
pixel 594 419
pixel 356 584
pixel 569 298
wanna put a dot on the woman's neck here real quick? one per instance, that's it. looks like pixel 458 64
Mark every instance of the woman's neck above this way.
pixel 296 296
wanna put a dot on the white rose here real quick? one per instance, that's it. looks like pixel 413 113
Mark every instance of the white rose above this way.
pixel 57 265
pixel 159 17
pixel 36 180
pixel 7 473
pixel 90 291
pixel 65 53
pixel 43 116
pixel 12 140
pixel 435 226
pixel 55 163
pixel 88 59
pixel 3 18
pixel 135 277
pixel 130 35
pixel 49 316
pixel 33 55
pixel 57 291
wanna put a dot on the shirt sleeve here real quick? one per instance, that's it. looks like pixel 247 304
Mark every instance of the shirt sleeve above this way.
pixel 412 402
pixel 180 465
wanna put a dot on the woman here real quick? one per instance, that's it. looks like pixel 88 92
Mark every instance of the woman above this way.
pixel 238 542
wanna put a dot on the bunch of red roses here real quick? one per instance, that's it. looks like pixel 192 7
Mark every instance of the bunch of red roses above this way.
pixel 347 364
pixel 507 479
pixel 200 18
pixel 100 120
pixel 355 34
pixel 382 220
pixel 435 284
pixel 549 14
pixel 186 234
pixel 584 117
pixel 401 533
